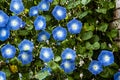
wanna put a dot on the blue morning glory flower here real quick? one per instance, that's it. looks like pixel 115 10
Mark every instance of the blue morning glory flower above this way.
pixel 33 11
pixel 59 33
pixel 49 1
pixel 8 51
pixel 117 76
pixel 68 65
pixel 26 45
pixel 106 57
pixel 3 18
pixel 43 36
pixel 46 68
pixel 68 54
pixel 4 33
pixel 74 26
pixel 44 5
pixel 16 6
pixel 14 23
pixel 2 76
pixel 46 54
pixel 25 57
pixel 23 24
pixel 59 12
pixel 40 23
pixel 95 67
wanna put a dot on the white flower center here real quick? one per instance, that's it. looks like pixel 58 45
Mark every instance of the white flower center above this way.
pixel 46 54
pixel 67 64
pixel 14 23
pixel 24 56
pixel 59 12
pixel 26 47
pixel 95 67
pixel 3 33
pixel 8 51
pixel 16 6
pixel 60 34
pixel 44 6
pixel 43 37
pixel 69 56
pixel 74 26
pixel 1 18
pixel 40 24
pixel 1 78
pixel 106 58
pixel 119 77
pixel 35 12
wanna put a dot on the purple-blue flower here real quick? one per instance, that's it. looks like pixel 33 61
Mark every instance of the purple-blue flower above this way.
pixel 2 75
pixel 74 26
pixel 14 23
pixel 25 57
pixel 95 67
pixel 44 5
pixel 46 68
pixel 59 33
pixel 22 24
pixel 26 45
pixel 16 6
pixel 4 33
pixel 117 76
pixel 3 18
pixel 8 51
pixel 33 11
pixel 106 57
pixel 59 12
pixel 43 36
pixel 46 54
pixel 68 66
pixel 40 23
pixel 68 53
pixel 49 1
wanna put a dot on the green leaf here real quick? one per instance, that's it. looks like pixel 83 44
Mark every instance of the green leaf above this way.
pixel 113 33
pixel 102 10
pixel 57 58
pixel 23 32
pixel 83 14
pixel 88 27
pixel 87 35
pixel 88 46
pixel 103 45
pixel 103 27
pixel 85 2
pixel 42 75
pixel 96 45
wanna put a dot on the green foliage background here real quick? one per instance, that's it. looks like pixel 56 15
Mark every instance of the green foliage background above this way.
pixel 96 35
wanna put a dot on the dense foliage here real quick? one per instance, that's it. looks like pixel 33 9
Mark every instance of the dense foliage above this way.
pixel 64 52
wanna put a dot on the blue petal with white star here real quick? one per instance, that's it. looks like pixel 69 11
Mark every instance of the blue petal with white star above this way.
pixel 43 36
pixel 8 51
pixel 59 12
pixel 68 66
pixel 46 54
pixel 68 53
pixel 16 6
pixel 74 26
pixel 44 5
pixel 106 57
pixel 4 33
pixel 95 67
pixel 3 18
pixel 117 76
pixel 14 23
pixel 59 33
pixel 2 75
pixel 26 45
pixel 25 57
pixel 33 11
pixel 40 23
